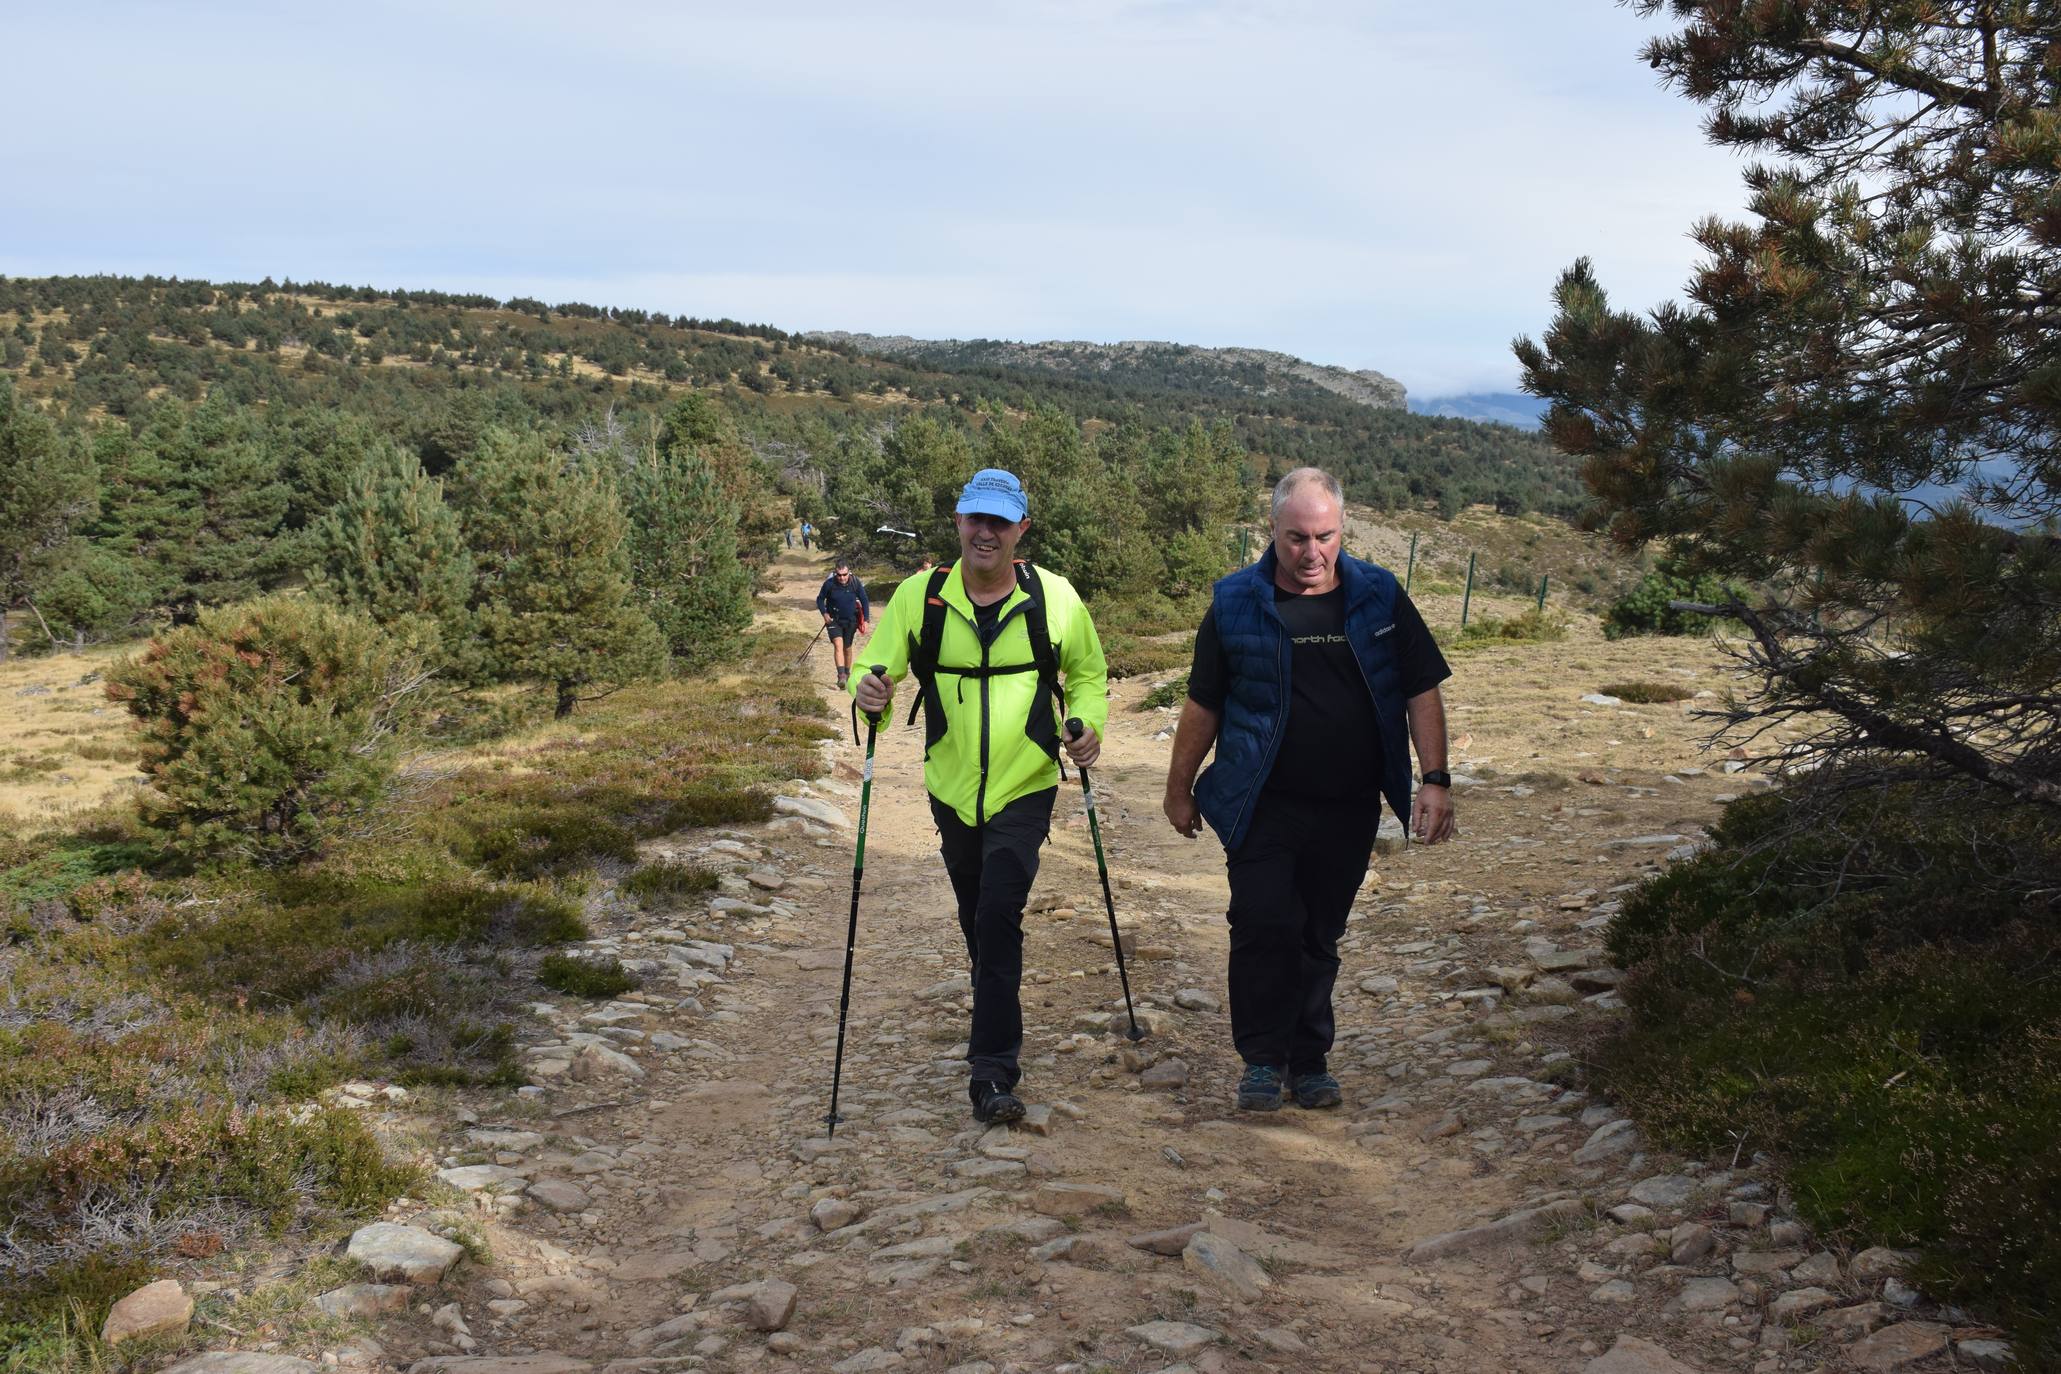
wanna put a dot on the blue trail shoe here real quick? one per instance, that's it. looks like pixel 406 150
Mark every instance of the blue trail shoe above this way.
pixel 1260 1089
pixel 1317 1090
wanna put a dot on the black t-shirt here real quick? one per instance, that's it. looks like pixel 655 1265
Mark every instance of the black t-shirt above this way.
pixel 986 617
pixel 1331 750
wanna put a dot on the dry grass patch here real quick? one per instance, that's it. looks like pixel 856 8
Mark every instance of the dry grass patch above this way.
pixel 64 747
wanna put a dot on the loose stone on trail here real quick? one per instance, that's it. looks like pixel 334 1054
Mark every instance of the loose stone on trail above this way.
pixel 407 1253
pixel 1223 1265
pixel 809 808
pixel 1074 1199
pixel 1175 1338
pixel 1634 1355
pixel 156 1309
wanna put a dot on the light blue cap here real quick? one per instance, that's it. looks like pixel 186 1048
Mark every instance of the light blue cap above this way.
pixel 994 492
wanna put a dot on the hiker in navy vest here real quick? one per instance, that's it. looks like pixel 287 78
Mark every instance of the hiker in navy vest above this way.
pixel 1313 675
pixel 845 613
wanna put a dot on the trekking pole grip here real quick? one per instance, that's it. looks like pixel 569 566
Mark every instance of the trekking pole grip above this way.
pixel 879 671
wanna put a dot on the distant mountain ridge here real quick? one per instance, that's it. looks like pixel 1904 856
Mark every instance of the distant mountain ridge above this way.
pixel 1512 408
pixel 1256 370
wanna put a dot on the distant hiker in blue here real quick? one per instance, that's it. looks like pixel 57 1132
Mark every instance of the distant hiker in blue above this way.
pixel 1313 675
pixel 807 532
pixel 845 613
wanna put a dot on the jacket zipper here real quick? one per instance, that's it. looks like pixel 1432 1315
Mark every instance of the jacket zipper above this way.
pixel 980 796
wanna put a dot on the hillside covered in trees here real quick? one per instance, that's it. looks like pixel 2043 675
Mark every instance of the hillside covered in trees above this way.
pixel 434 368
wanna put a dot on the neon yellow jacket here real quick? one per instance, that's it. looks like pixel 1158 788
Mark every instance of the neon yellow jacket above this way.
pixel 989 750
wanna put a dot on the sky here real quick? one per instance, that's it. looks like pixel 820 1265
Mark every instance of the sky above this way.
pixel 1384 185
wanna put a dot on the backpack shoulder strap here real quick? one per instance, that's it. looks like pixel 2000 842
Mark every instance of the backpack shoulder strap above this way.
pixel 930 638
pixel 1034 620
pixel 1043 652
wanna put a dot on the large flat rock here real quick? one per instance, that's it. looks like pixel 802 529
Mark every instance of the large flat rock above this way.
pixel 501 1364
pixel 405 1254
pixel 1516 1226
pixel 1174 1338
pixel 1632 1355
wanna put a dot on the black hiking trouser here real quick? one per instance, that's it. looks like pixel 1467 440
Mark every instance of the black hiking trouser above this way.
pixel 1293 879
pixel 992 867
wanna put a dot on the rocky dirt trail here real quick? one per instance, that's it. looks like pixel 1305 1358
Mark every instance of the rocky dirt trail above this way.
pixel 666 1196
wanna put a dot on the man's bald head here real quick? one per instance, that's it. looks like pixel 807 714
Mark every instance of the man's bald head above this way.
pixel 1301 482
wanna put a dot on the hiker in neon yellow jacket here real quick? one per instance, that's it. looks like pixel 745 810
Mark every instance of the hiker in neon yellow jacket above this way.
pixel 992 725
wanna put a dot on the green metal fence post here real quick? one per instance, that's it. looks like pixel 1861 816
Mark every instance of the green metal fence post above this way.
pixel 1467 597
pixel 1410 573
pixel 1542 593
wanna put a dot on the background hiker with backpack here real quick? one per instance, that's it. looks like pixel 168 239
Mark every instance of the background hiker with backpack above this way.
pixel 1313 675
pixel 845 609
pixel 1001 651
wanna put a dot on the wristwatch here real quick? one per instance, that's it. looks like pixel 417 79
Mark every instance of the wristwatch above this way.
pixel 1438 777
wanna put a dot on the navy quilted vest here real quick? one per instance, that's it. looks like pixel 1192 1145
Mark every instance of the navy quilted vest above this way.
pixel 1256 707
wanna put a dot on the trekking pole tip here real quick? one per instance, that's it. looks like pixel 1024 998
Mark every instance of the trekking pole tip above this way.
pixel 1134 1033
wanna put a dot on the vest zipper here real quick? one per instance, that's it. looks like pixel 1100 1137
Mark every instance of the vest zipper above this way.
pixel 1280 715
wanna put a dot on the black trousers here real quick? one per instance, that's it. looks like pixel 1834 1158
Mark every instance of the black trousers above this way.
pixel 992 867
pixel 1292 885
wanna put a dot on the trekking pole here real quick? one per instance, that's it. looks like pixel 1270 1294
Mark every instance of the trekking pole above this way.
pixel 1073 731
pixel 851 934
pixel 812 643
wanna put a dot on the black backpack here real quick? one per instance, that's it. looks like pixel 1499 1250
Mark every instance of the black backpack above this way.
pixel 929 643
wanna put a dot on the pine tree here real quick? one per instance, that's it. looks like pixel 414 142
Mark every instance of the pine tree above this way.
pixel 197 503
pixel 552 598
pixel 49 485
pixel 392 549
pixel 1861 410
pixel 696 424
pixel 683 554
pixel 1195 488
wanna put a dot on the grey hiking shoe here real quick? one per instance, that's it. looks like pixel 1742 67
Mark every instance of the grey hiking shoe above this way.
pixel 1316 1090
pixel 993 1103
pixel 1260 1089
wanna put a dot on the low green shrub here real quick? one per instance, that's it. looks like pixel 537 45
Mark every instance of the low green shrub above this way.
pixel 215 1167
pixel 1644 610
pixel 666 880
pixel 67 866
pixel 1147 614
pixel 529 842
pixel 713 804
pixel 1135 656
pixel 1531 627
pixel 581 976
pixel 1172 692
pixel 1648 693
pixel 1856 985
